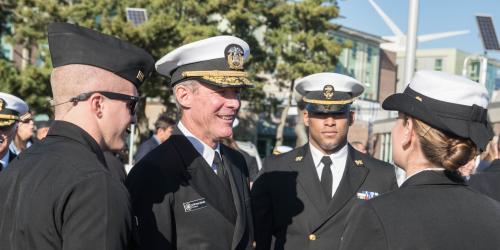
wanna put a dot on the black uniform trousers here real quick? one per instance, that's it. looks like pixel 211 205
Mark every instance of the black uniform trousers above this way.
pixel 180 203
pixel 290 208
pixel 431 210
pixel 58 194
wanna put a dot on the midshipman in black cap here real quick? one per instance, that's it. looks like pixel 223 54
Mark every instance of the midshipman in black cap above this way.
pixel 301 198
pixel 440 127
pixel 12 111
pixel 192 192
pixel 59 194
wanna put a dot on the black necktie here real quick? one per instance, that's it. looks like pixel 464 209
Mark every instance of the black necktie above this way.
pixel 326 177
pixel 221 172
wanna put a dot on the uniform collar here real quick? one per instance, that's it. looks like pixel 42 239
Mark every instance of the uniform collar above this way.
pixel 207 152
pixel 433 177
pixel 338 157
pixel 76 133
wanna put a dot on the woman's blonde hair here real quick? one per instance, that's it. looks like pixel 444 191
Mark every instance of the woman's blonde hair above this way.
pixel 442 148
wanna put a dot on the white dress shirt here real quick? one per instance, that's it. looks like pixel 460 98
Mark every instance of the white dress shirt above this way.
pixel 339 160
pixel 207 152
pixel 5 159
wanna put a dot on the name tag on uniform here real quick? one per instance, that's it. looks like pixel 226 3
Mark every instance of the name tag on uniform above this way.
pixel 366 195
pixel 191 206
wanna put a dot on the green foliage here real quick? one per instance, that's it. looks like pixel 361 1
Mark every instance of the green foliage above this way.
pixel 288 39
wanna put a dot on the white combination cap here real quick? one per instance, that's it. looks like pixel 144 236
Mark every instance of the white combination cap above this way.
pixel 12 109
pixel 328 92
pixel 451 103
pixel 217 60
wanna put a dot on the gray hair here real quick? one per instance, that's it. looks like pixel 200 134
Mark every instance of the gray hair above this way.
pixel 192 85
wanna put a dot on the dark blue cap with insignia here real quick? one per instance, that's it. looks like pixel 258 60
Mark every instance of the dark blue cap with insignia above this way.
pixel 328 93
pixel 218 61
pixel 71 44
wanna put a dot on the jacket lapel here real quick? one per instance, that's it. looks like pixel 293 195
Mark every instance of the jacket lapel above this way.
pixel 236 181
pixel 308 177
pixel 201 177
pixel 354 175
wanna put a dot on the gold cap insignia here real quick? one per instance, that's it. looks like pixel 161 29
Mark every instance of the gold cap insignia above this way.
pixel 418 98
pixel 298 158
pixel 140 76
pixel 359 163
pixel 328 91
pixel 2 104
pixel 235 56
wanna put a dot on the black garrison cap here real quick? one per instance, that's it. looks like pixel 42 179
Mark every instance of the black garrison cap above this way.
pixel 71 44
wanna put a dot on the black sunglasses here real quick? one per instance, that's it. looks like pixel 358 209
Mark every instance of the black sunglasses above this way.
pixel 132 101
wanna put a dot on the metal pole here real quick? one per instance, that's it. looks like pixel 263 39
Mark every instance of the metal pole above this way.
pixel 411 40
pixel 131 147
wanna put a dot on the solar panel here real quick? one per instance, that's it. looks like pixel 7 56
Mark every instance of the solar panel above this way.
pixel 136 15
pixel 488 34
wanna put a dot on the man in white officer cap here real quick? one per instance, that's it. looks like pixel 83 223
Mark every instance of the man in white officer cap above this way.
pixel 12 110
pixel 192 192
pixel 302 198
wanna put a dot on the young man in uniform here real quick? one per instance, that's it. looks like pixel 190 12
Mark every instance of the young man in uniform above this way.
pixel 302 197
pixel 59 194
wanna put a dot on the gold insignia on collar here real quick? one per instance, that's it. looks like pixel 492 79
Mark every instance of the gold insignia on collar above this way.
pixel 298 158
pixel 418 98
pixel 359 163
pixel 235 56
pixel 140 76
pixel 328 91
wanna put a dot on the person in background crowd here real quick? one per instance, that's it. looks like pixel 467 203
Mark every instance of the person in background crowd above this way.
pixel 359 146
pixel 12 110
pixel 301 198
pixel 192 191
pixel 42 128
pixel 24 134
pixel 58 194
pixel 163 129
pixel 434 134
pixel 490 154
pixel 488 180
pixel 251 162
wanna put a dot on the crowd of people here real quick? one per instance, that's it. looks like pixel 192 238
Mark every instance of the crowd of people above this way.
pixel 194 187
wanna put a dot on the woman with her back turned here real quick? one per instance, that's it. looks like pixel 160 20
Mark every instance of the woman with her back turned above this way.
pixel 441 125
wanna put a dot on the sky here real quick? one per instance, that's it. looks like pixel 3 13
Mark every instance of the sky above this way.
pixel 434 16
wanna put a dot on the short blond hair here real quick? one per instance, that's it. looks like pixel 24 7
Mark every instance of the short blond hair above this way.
pixel 71 80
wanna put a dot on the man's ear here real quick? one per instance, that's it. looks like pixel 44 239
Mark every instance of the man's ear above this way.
pixel 306 118
pixel 352 117
pixel 184 95
pixel 96 103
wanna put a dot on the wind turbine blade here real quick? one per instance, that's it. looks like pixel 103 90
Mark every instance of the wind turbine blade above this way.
pixel 394 28
pixel 435 36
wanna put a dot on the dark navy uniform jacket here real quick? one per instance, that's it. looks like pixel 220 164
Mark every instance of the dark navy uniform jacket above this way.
pixel 59 194
pixel 290 208
pixel 180 203
pixel 488 181
pixel 431 210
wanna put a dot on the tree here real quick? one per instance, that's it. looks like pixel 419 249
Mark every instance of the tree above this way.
pixel 298 43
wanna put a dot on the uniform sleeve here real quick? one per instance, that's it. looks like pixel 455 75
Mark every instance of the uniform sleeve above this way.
pixel 364 230
pixel 150 194
pixel 262 212
pixel 96 214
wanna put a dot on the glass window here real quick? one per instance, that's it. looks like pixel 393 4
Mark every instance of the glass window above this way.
pixel 438 64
